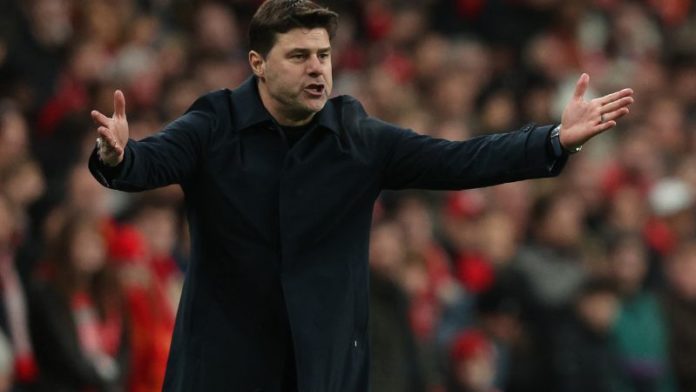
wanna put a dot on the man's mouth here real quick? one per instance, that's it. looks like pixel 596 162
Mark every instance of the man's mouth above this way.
pixel 315 89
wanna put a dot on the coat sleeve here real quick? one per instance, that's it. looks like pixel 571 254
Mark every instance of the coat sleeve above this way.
pixel 411 160
pixel 168 157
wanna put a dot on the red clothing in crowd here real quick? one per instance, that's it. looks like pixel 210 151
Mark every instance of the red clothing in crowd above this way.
pixel 151 314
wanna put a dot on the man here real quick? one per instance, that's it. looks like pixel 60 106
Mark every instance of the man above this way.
pixel 280 182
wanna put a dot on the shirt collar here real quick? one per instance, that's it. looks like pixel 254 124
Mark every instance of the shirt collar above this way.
pixel 249 109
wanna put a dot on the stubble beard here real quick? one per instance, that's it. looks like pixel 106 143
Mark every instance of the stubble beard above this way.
pixel 300 108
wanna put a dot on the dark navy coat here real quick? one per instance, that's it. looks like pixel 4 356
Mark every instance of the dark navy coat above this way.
pixel 280 235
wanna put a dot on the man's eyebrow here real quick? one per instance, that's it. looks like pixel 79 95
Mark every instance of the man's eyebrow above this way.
pixel 306 50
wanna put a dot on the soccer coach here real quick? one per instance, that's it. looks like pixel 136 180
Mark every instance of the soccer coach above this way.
pixel 280 182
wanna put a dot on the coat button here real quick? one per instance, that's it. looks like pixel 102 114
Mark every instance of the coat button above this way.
pixel 355 343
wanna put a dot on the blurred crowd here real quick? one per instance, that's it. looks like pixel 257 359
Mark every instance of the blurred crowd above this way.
pixel 586 282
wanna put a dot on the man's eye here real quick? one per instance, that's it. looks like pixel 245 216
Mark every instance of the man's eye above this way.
pixel 323 55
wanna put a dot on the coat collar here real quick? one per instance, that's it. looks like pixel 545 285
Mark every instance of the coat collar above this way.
pixel 249 110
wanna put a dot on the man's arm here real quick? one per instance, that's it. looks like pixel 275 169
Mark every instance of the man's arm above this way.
pixel 168 157
pixel 419 161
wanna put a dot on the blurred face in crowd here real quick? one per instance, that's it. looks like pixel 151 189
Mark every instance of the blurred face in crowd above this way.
pixel 85 194
pixel 158 226
pixel 477 373
pixel 25 183
pixel 88 251
pixel 386 250
pixel 629 265
pixel 682 223
pixel 413 215
pixel 216 28
pixel 50 21
pixel 14 140
pixel 598 310
pixel 628 210
pixel 498 237
pixel 562 226
pixel 295 78
pixel 414 277
pixel 681 272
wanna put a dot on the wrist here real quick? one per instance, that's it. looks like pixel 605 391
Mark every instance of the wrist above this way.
pixel 107 156
pixel 557 146
pixel 110 161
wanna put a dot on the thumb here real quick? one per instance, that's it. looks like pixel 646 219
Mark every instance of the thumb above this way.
pixel 119 104
pixel 581 86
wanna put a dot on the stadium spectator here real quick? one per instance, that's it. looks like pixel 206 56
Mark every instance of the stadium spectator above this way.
pixel 640 334
pixel 78 319
pixel 679 301
pixel 583 356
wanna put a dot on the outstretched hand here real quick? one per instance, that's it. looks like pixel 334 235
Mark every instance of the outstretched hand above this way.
pixel 583 120
pixel 113 131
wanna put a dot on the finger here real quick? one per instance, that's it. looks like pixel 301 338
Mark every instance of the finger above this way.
pixel 601 127
pixel 119 104
pixel 581 86
pixel 100 119
pixel 614 96
pixel 613 106
pixel 616 114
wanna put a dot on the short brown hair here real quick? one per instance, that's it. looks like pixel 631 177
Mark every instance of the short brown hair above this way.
pixel 280 16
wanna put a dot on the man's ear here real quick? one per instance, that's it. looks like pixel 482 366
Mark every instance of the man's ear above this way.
pixel 257 63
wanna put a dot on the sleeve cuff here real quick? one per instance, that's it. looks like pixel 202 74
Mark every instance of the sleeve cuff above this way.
pixel 104 173
pixel 540 135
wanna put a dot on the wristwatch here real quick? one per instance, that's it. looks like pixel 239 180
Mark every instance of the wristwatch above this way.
pixel 558 149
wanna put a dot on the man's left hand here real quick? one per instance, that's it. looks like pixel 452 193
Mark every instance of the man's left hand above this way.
pixel 583 119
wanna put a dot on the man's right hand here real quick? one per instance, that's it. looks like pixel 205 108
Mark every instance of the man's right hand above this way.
pixel 113 132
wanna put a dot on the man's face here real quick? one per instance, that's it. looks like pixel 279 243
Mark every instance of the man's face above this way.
pixel 296 75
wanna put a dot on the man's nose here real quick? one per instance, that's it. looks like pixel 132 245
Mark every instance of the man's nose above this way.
pixel 314 65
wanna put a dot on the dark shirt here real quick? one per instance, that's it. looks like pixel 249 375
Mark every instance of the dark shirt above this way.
pixel 294 134
pixel 279 236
